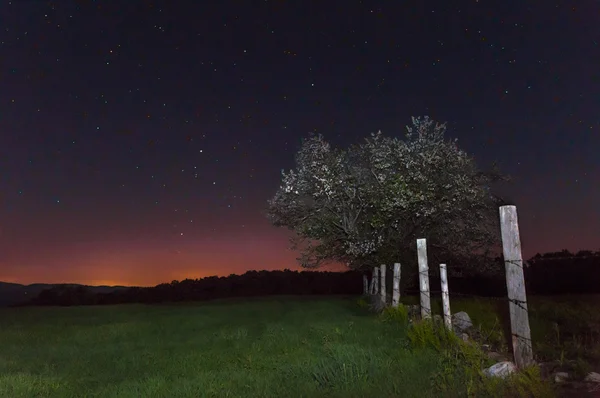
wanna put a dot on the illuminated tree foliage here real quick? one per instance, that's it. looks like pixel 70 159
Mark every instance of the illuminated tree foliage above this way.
pixel 367 204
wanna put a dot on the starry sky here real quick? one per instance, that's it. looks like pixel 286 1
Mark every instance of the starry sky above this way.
pixel 140 140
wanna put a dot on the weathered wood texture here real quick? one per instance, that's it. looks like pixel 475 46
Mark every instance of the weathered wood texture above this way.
pixel 445 296
pixel 375 280
pixel 382 288
pixel 515 283
pixel 424 279
pixel 396 287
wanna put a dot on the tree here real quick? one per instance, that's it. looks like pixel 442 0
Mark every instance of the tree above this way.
pixel 367 205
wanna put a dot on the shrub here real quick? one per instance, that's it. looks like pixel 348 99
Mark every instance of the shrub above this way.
pixel 461 365
pixel 397 314
pixel 430 334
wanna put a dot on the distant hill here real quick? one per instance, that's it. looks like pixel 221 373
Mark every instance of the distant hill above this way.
pixel 14 293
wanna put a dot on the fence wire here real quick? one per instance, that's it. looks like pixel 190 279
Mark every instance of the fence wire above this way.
pixel 519 303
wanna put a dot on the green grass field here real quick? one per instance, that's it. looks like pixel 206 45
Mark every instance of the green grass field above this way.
pixel 286 347
pixel 271 347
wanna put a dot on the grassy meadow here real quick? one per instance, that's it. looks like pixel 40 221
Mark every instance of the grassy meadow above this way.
pixel 268 347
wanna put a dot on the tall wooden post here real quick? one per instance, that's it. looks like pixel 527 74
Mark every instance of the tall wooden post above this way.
pixel 383 288
pixel 375 279
pixel 515 283
pixel 396 288
pixel 445 296
pixel 424 278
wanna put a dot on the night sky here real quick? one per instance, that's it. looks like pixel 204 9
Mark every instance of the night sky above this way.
pixel 140 140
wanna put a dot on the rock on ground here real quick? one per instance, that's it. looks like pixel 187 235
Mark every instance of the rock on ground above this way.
pixel 376 304
pixel 461 321
pixel 592 377
pixel 560 377
pixel 501 369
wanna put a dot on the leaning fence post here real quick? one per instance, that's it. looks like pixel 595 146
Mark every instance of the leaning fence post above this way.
pixel 383 286
pixel 396 289
pixel 375 280
pixel 445 296
pixel 365 285
pixel 424 278
pixel 515 283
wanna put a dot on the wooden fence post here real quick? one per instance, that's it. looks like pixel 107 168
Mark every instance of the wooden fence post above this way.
pixel 424 278
pixel 383 286
pixel 396 291
pixel 515 283
pixel 445 296
pixel 375 280
pixel 365 285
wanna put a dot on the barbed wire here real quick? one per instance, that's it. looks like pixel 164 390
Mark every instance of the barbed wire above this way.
pixel 538 259
pixel 522 304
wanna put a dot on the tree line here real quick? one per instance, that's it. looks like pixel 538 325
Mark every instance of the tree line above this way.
pixel 564 272
pixel 546 274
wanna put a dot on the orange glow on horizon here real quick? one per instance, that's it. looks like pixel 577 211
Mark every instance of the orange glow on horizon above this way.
pixel 149 263
pixel 141 265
